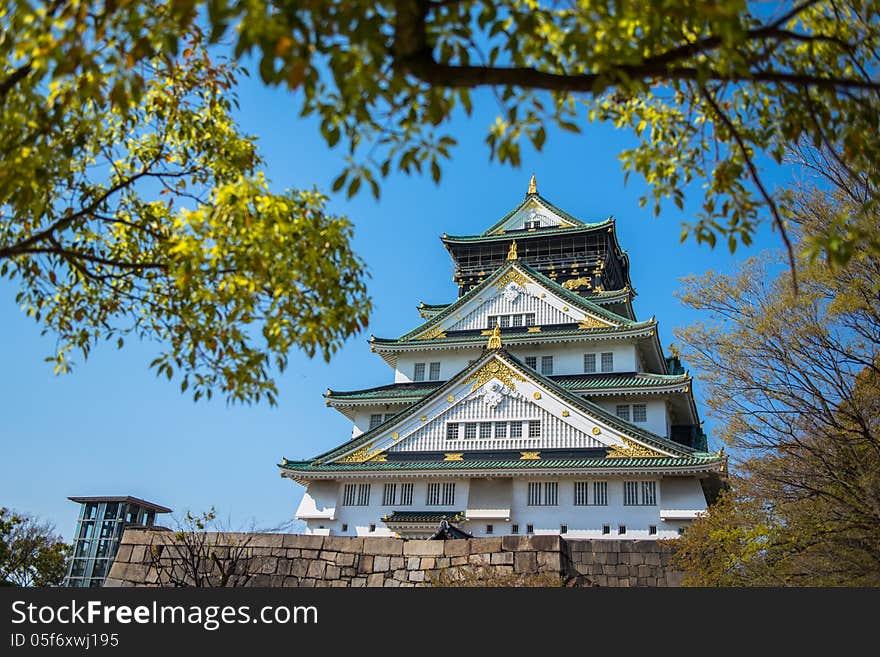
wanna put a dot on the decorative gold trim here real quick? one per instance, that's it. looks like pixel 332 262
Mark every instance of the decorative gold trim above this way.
pixel 537 395
pixel 424 418
pixel 577 283
pixel 512 276
pixel 436 332
pixel 453 456
pixel 565 309
pixel 530 456
pixel 395 435
pixel 565 413
pixel 533 329
pixel 361 455
pixel 533 185
pixel 596 431
pixel 590 322
pixel 495 369
pixel 495 338
pixel 511 254
pixel 450 399
pixel 381 458
pixel 632 451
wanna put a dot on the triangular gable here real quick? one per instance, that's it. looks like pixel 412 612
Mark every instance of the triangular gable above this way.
pixel 498 388
pixel 516 289
pixel 534 209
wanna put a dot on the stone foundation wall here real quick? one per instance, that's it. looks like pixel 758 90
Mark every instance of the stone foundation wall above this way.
pixel 307 561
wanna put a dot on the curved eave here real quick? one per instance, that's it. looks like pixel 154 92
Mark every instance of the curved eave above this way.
pixel 519 235
pixel 302 471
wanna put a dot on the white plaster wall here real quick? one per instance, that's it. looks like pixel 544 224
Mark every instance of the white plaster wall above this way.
pixel 583 521
pixel 567 358
pixel 655 409
pixel 362 417
pixel 319 501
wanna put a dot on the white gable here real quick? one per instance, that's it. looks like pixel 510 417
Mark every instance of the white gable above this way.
pixel 515 295
pixel 531 212
pixel 495 392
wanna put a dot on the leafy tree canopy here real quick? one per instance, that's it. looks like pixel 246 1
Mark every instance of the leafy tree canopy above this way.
pixel 132 205
pixel 31 553
pixel 707 87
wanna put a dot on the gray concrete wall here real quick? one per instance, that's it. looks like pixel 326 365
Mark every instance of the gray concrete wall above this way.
pixel 306 561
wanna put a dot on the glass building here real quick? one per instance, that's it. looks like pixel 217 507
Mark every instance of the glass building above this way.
pixel 99 531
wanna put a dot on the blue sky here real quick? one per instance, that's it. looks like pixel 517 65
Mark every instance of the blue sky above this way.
pixel 113 428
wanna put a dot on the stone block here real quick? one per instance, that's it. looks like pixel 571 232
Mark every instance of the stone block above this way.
pixel 652 559
pixel 359 582
pixel 479 559
pixel 426 563
pixel 381 563
pixel 601 580
pixel 612 558
pixel 397 562
pixel 514 543
pixel 459 561
pixel 299 567
pixel 328 555
pixel 375 580
pixel 307 583
pixel 622 570
pixel 344 543
pixel 332 572
pixel 549 562
pixel 138 553
pixel 389 583
pixel 365 564
pixel 112 583
pixel 309 554
pixel 271 540
pixel 345 559
pixel 442 562
pixel 525 562
pixel 423 548
pixel 339 584
pixel 645 571
pixel 417 576
pixel 260 580
pixel 276 581
pixel 316 569
pixel 293 553
pixel 485 544
pixel 347 572
pixel 456 548
pixel 124 553
pixel 269 565
pixel 384 546
pixel 505 558
pixel 413 562
pixel 400 575
pixel 545 542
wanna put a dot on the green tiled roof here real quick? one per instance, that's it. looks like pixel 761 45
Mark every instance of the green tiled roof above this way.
pixel 423 516
pixel 434 306
pixel 414 391
pixel 697 459
pixel 527 234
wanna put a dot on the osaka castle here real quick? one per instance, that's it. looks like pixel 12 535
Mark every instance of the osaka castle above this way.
pixel 536 402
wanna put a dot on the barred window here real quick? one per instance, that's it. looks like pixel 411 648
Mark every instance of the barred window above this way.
pixel 608 361
pixel 375 420
pixel 451 431
pixel 600 493
pixel 547 365
pixel 530 319
pixel 534 428
pixel 448 494
pixel 649 493
pixel 491 321
pixel 388 416
pixel 516 320
pixel 544 493
pixel 623 411
pixel 434 372
pixel 389 494
pixel 433 498
pixel 534 493
pixel 363 495
pixel 532 361
pixel 551 493
pixel 580 493
pixel 505 321
pixel 406 494
pixel 470 431
pixel 630 493
pixel 514 529
pixel 640 413
pixel 589 363
pixel 419 372
pixel 606 529
pixel 490 529
pixel 652 530
pixel 348 494
pixel 516 429
pixel 621 529
pixel 563 529
pixel 441 494
pixel 501 429
pixel 485 430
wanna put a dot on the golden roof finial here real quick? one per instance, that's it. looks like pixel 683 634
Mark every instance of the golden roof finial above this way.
pixel 495 338
pixel 511 254
pixel 533 185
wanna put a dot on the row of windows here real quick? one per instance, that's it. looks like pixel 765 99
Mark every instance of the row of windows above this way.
pixel 546 364
pixel 540 493
pixel 563 529
pixel 377 418
pixel 634 412
pixel 439 494
pixel 433 371
pixel 606 362
pixel 506 321
pixel 487 430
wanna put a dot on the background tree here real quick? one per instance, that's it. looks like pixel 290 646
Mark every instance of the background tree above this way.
pixel 795 381
pixel 131 204
pixel 31 552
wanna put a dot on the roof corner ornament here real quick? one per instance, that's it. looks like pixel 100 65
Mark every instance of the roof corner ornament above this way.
pixel 533 185
pixel 511 254
pixel 495 338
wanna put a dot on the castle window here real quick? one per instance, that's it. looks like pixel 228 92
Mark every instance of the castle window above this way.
pixel 372 528
pixel 530 319
pixel 419 372
pixel 606 529
pixel 530 529
pixel 640 493
pixel 580 493
pixel 600 493
pixel 621 529
pixel 344 527
pixel 589 363
pixel 349 493
pixel 563 529
pixel 516 429
pixel 470 431
pixel 649 493
pixel 652 530
pixel 485 430
pixel 501 429
pixel 406 494
pixel 544 493
pixel 547 365
pixel 441 494
pixel 517 320
pixel 640 413
pixel 534 428
pixel 514 529
pixel 389 494
pixel 434 373
pixel 375 420
pixel 630 493
pixel 452 431
pixel 532 361
pixel 363 495
pixel 505 321
pixel 608 362
pixel 622 411
pixel 490 529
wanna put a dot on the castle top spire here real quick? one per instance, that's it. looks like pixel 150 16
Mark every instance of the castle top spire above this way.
pixel 533 185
